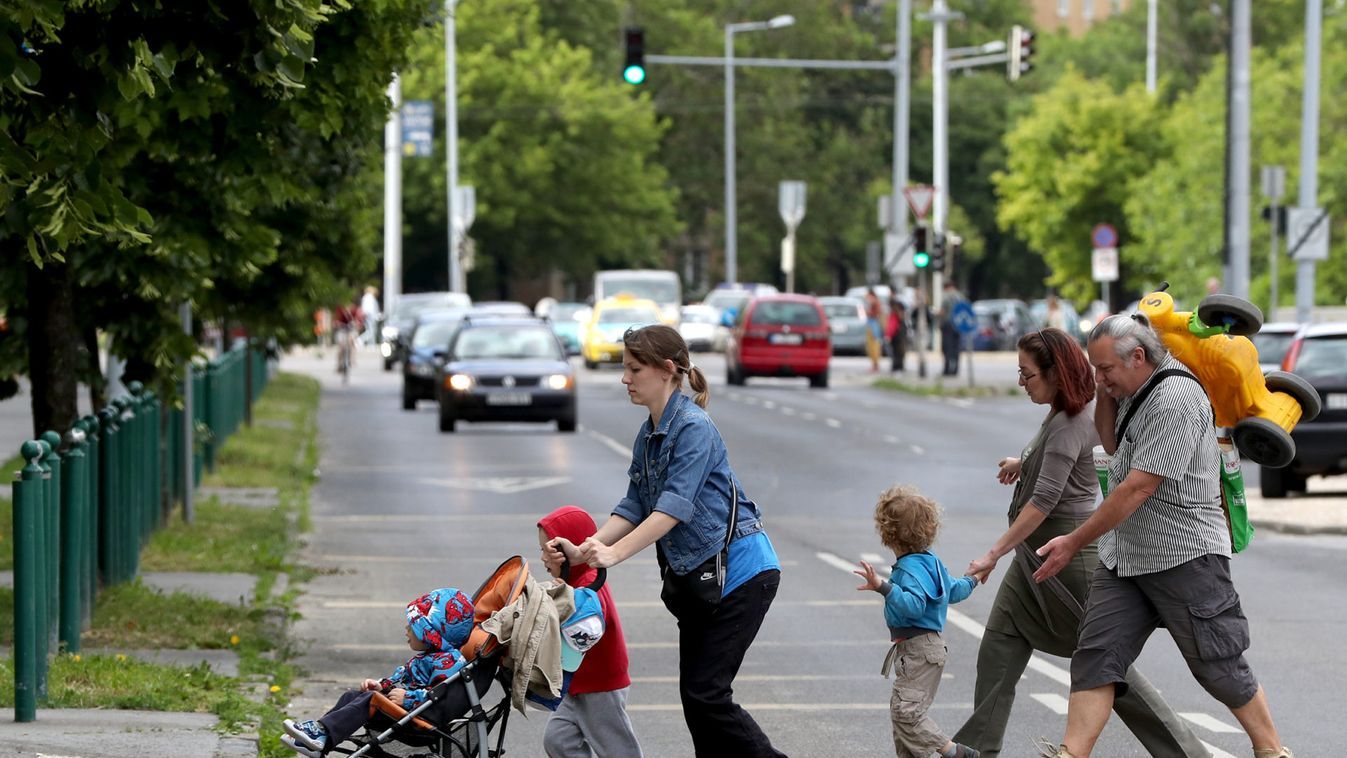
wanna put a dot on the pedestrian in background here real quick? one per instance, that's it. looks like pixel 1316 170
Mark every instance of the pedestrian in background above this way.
pixel 896 331
pixel 683 496
pixel 1055 316
pixel 1055 491
pixel 874 331
pixel 917 597
pixel 369 306
pixel 1164 547
pixel 949 334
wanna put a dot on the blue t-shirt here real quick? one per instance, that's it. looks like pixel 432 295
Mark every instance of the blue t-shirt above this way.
pixel 748 557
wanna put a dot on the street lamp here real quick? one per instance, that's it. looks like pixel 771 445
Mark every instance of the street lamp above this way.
pixel 731 232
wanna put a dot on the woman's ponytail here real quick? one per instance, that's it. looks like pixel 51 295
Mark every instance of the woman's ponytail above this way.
pixel 697 381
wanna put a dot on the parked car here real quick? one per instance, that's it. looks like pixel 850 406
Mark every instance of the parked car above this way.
pixel 1071 319
pixel 846 319
pixel 506 369
pixel 990 334
pixel 1318 354
pixel 397 324
pixel 780 335
pixel 1094 313
pixel 731 299
pixel 609 322
pixel 502 308
pixel 1272 342
pixel 701 329
pixel 1014 316
pixel 567 320
pixel 427 341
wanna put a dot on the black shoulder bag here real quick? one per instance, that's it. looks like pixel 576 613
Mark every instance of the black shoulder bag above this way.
pixel 1145 392
pixel 704 583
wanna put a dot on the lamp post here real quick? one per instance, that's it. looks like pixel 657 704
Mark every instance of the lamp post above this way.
pixel 731 221
pixel 451 141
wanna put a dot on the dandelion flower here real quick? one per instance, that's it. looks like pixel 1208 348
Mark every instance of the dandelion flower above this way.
pixel 233 639
pixel 275 688
pixel 121 657
pixel 75 657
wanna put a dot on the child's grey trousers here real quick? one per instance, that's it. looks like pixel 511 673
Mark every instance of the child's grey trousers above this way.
pixel 917 663
pixel 593 721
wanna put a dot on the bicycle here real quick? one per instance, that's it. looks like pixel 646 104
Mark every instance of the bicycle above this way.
pixel 344 340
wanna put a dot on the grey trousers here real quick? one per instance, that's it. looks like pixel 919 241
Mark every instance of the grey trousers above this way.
pixel 1002 658
pixel 592 723
pixel 917 664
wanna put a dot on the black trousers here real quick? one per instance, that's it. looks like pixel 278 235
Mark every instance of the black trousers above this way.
pixel 898 350
pixel 347 717
pixel 712 642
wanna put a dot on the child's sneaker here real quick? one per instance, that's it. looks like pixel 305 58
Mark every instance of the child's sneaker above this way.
pixel 290 742
pixel 309 735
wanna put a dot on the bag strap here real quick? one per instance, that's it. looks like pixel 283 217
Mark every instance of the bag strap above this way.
pixel 1145 392
pixel 734 513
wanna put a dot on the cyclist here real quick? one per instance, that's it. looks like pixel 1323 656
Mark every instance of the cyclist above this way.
pixel 348 321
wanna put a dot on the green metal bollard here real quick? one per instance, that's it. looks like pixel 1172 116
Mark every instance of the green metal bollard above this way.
pixel 73 508
pixel 107 496
pixel 52 556
pixel 43 608
pixel 90 552
pixel 27 583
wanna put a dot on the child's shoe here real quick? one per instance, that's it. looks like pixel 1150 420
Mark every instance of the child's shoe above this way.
pixel 962 751
pixel 308 735
pixel 1266 752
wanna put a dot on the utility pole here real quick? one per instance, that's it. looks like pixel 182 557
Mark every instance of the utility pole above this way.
pixel 393 199
pixel 940 15
pixel 1237 216
pixel 1309 151
pixel 1151 23
pixel 451 140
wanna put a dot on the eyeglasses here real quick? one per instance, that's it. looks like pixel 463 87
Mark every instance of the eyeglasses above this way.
pixel 1024 378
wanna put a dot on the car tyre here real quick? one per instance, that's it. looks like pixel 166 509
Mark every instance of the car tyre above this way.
pixel 1264 442
pixel 1272 482
pixel 819 381
pixel 446 421
pixel 566 424
pixel 1243 317
pixel 591 365
pixel 408 401
pixel 1297 387
pixel 734 377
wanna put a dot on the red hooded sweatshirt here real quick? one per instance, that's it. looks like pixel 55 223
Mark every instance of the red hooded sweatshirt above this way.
pixel 605 666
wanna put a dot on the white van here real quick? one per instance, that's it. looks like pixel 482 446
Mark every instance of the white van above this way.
pixel 664 287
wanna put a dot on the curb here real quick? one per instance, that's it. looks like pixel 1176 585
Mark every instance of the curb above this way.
pixel 1284 527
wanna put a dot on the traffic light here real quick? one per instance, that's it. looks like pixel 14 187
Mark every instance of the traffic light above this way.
pixel 1021 53
pixel 633 70
pixel 921 253
pixel 938 253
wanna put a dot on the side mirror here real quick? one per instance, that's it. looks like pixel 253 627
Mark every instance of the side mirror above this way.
pixel 727 318
pixel 440 356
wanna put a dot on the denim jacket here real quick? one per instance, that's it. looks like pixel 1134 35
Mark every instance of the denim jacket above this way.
pixel 680 468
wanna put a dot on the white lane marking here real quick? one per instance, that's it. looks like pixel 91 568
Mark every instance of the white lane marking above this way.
pixel 834 423
pixel 960 402
pixel 807 416
pixel 874 558
pixel 766 678
pixel 889 438
pixel 755 707
pixel 833 560
pixel 1211 723
pixel 859 602
pixel 768 404
pixel 611 443
pixel 917 449
pixel 1055 703
pixel 501 485
pixel 879 644
pixel 785 411
pixel 1052 671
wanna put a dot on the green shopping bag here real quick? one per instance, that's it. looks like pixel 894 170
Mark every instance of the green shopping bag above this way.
pixel 1232 497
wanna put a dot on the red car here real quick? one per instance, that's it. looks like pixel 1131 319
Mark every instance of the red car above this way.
pixel 780 335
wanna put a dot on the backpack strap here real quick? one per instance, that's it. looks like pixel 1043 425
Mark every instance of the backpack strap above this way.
pixel 1145 392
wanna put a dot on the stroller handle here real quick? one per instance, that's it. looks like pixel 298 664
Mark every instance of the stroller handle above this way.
pixel 599 578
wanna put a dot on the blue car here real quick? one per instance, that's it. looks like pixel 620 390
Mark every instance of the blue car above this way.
pixel 426 345
pixel 567 319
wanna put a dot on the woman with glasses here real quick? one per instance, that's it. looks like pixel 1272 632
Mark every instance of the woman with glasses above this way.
pixel 680 496
pixel 1055 491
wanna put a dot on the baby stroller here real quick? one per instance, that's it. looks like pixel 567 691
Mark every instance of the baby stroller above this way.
pixel 453 721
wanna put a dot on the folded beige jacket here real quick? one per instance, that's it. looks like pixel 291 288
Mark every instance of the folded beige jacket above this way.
pixel 531 628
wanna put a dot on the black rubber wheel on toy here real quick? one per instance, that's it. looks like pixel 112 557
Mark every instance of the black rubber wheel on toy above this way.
pixel 1297 387
pixel 1243 317
pixel 1272 482
pixel 1264 443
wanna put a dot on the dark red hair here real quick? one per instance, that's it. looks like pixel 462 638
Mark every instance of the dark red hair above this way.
pixel 1054 350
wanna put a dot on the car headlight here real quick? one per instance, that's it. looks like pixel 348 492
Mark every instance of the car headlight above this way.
pixel 458 382
pixel 389 333
pixel 558 382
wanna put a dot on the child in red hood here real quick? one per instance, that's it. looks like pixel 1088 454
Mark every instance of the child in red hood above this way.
pixel 593 715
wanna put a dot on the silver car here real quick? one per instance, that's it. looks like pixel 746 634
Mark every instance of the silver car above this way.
pixel 846 317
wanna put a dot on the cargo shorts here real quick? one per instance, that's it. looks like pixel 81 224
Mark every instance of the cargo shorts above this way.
pixel 1196 601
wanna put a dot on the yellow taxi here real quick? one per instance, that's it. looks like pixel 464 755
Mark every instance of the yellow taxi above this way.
pixel 601 339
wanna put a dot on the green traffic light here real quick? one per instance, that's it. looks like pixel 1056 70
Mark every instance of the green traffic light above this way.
pixel 633 74
pixel 921 260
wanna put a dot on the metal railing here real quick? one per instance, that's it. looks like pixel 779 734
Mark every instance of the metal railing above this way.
pixel 86 503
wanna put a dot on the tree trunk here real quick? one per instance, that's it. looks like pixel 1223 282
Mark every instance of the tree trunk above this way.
pixel 97 384
pixel 53 339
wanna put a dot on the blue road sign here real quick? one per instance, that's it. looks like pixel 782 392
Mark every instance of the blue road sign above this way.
pixel 1104 235
pixel 418 128
pixel 963 318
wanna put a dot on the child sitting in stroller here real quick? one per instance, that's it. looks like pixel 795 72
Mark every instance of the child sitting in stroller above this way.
pixel 438 624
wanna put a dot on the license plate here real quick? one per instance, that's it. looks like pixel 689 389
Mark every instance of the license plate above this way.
pixel 1336 401
pixel 839 328
pixel 786 339
pixel 509 398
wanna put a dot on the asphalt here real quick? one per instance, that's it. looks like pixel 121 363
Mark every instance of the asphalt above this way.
pixel 79 733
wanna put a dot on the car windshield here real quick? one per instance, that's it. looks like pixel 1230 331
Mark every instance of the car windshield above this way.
pixel 700 317
pixel 659 290
pixel 724 300
pixel 435 334
pixel 1272 346
pixel 842 310
pixel 566 311
pixel 1323 358
pixel 779 313
pixel 410 305
pixel 628 316
pixel 505 342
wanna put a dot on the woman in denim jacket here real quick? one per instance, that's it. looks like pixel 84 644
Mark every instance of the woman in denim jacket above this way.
pixel 679 498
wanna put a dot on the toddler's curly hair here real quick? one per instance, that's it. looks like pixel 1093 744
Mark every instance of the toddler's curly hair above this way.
pixel 906 520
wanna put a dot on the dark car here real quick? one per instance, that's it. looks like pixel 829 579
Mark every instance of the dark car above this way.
pixel 1014 319
pixel 427 341
pixel 398 324
pixel 1273 342
pixel 506 369
pixel 780 335
pixel 1318 355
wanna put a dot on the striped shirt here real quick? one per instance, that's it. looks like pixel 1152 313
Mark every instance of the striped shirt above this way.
pixel 1171 435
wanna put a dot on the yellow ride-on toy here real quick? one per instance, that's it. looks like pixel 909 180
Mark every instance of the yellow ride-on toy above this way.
pixel 1260 410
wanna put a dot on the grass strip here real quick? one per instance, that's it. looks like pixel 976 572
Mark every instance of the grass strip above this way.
pixel 122 682
pixel 940 389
